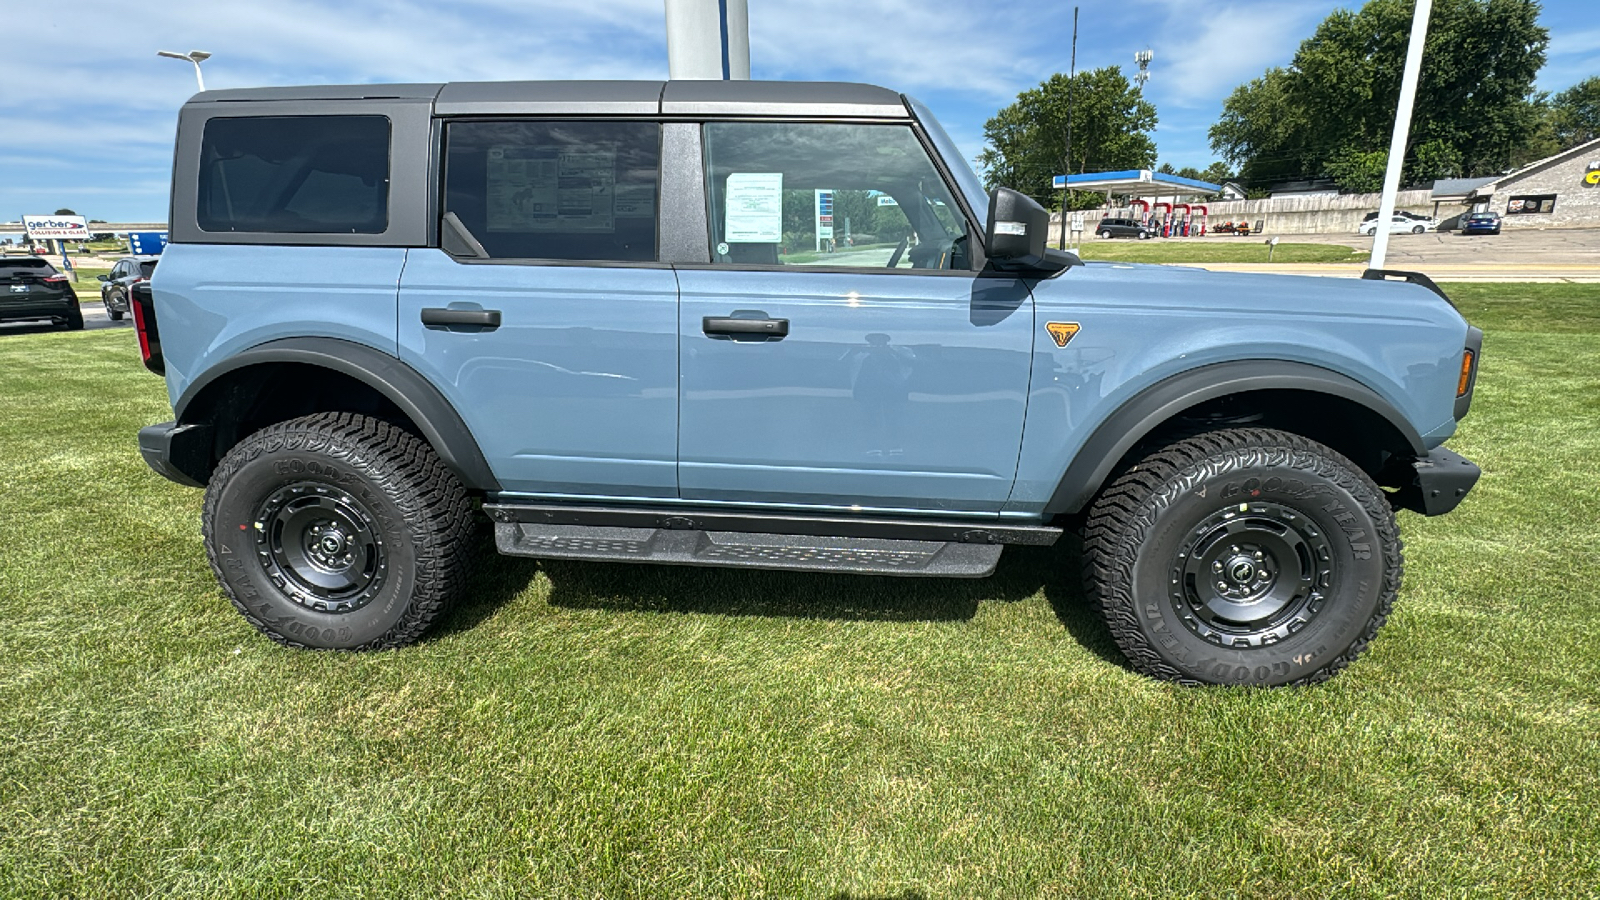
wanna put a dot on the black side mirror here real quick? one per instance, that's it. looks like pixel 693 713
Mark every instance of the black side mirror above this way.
pixel 1018 232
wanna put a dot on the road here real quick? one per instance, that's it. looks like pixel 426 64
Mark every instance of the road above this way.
pixel 1544 255
pixel 94 318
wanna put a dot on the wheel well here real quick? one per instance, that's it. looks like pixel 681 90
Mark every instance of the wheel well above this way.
pixel 1361 434
pixel 249 399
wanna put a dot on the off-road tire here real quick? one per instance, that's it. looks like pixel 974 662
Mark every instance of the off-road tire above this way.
pixel 1149 534
pixel 408 519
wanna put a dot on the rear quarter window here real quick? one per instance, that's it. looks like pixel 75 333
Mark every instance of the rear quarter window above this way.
pixel 295 175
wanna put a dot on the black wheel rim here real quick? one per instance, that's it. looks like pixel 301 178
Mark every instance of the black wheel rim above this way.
pixel 320 547
pixel 1252 574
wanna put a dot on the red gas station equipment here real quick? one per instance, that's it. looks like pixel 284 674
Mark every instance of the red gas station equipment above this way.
pixel 1166 220
pixel 1180 226
pixel 1143 215
pixel 1201 211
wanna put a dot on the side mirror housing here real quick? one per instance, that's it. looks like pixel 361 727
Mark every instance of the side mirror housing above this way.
pixel 1017 235
pixel 102 278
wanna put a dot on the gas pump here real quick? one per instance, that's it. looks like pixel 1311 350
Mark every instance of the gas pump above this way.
pixel 1143 214
pixel 1166 220
pixel 1204 213
pixel 1180 226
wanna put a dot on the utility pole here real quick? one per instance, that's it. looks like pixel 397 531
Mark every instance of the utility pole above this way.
pixel 1072 75
pixel 1402 131
pixel 708 39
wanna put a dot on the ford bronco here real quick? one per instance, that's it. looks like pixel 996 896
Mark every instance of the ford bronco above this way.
pixel 771 325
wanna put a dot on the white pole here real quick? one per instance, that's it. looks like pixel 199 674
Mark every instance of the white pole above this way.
pixel 1402 130
pixel 708 39
pixel 198 80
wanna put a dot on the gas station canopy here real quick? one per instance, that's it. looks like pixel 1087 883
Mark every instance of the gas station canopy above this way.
pixel 1137 182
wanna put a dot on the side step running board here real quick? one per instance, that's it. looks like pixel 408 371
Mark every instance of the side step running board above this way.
pixel 794 552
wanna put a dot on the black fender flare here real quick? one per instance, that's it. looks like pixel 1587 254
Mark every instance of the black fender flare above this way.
pixel 1134 420
pixel 441 425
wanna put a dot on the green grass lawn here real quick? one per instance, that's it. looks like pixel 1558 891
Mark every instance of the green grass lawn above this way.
pixel 590 730
pixel 1222 249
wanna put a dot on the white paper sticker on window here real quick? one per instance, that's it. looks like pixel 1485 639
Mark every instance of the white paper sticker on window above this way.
pixel 551 189
pixel 754 208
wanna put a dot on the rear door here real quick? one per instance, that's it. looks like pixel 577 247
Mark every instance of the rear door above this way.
pixel 840 350
pixel 558 344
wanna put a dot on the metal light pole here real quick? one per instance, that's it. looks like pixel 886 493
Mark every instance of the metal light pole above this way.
pixel 195 56
pixel 1072 74
pixel 708 39
pixel 1402 131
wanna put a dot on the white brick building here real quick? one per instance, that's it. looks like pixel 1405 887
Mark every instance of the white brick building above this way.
pixel 1561 191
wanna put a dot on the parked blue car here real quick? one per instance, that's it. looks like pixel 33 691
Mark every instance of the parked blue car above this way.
pixel 767 325
pixel 1480 223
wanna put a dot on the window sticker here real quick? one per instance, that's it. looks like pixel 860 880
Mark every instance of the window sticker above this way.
pixel 636 201
pixel 552 189
pixel 754 208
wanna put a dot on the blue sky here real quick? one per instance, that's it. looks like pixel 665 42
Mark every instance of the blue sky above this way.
pixel 87 119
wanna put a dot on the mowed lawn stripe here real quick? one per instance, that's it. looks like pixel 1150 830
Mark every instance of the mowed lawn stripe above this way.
pixel 591 730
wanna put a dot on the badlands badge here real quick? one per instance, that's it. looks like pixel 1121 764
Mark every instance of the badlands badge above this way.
pixel 1061 331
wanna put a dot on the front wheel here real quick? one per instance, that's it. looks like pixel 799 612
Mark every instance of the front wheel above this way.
pixel 1418 230
pixel 337 531
pixel 1246 556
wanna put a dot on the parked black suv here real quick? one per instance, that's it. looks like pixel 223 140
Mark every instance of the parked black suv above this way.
pixel 31 288
pixel 1110 228
pixel 114 287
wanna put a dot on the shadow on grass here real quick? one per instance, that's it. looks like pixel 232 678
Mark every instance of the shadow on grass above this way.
pixel 621 587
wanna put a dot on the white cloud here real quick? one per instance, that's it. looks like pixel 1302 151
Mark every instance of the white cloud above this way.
pixel 1199 58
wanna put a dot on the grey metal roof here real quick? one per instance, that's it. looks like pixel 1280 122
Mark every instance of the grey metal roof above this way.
pixel 465 98
pixel 781 98
pixel 322 92
pixel 1457 188
pixel 785 98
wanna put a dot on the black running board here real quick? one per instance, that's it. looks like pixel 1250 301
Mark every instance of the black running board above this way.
pixel 941 531
pixel 791 552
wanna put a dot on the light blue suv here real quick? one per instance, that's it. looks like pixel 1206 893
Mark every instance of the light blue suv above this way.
pixel 770 325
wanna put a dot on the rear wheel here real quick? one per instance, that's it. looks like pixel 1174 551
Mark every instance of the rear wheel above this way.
pixel 337 531
pixel 1418 229
pixel 75 318
pixel 1245 556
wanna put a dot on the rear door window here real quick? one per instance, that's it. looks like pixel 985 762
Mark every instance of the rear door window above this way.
pixel 556 190
pixel 295 175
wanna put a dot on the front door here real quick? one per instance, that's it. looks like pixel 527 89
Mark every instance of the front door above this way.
pixel 839 351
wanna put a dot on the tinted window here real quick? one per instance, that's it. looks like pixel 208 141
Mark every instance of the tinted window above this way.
pixel 295 174
pixel 864 196
pixel 26 266
pixel 146 269
pixel 556 190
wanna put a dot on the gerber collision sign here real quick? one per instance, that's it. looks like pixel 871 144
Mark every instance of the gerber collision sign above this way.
pixel 59 228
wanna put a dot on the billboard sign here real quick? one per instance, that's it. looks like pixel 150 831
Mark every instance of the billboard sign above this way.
pixel 147 243
pixel 58 228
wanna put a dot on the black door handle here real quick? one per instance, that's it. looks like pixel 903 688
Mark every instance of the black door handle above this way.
pixel 765 327
pixel 483 318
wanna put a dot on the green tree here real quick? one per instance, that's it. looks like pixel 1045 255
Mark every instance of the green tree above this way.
pixel 64 212
pixel 1575 113
pixel 1027 141
pixel 1325 113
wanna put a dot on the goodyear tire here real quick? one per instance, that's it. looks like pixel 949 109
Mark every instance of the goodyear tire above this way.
pixel 337 531
pixel 1245 556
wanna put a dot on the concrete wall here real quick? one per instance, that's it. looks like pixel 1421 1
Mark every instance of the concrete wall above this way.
pixel 1312 214
pixel 1577 203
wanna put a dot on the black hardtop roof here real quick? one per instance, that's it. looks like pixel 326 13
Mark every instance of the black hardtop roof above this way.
pixel 794 98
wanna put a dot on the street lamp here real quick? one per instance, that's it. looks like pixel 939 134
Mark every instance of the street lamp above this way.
pixel 194 56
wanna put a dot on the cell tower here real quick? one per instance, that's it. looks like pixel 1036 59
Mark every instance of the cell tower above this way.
pixel 1143 58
